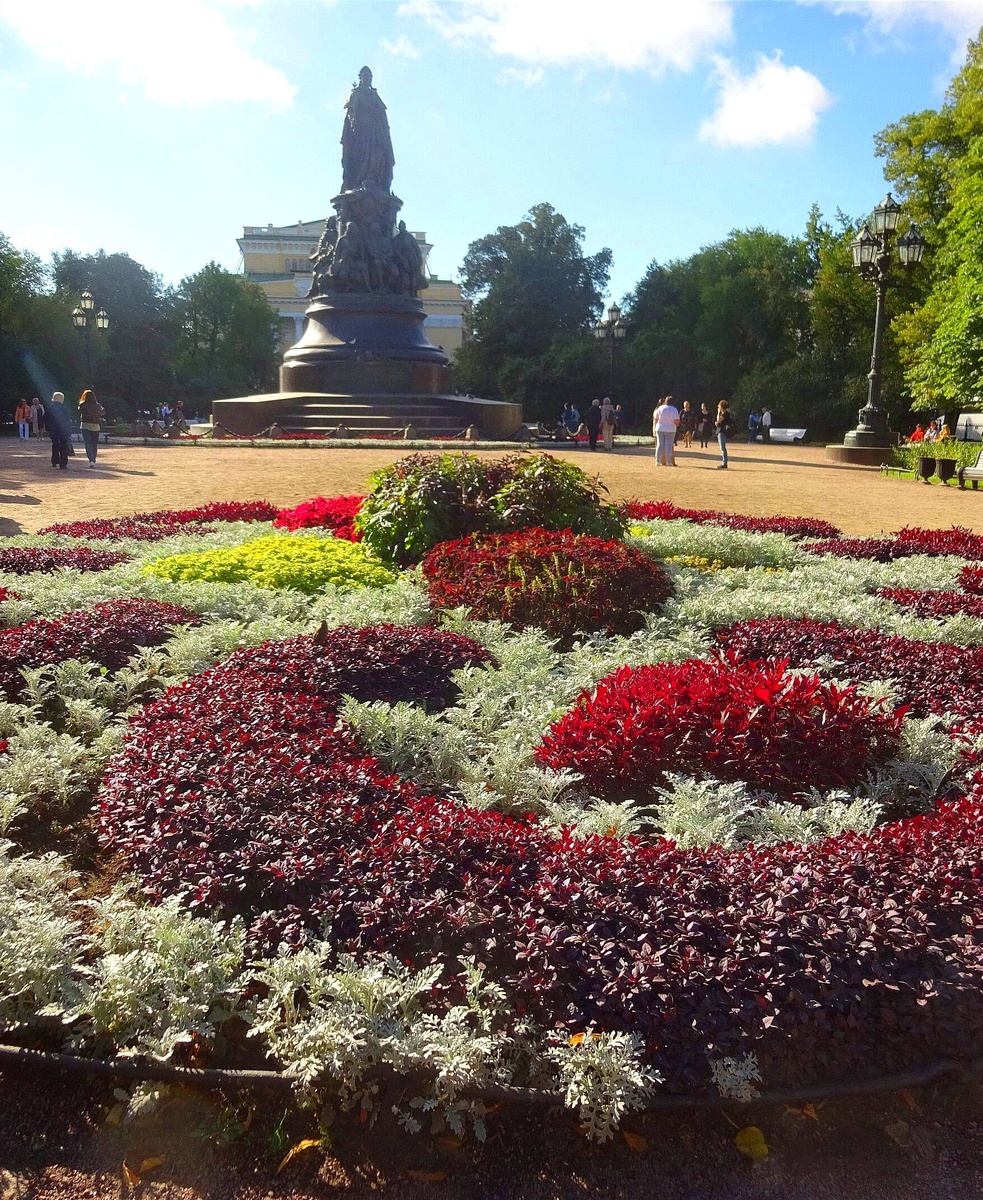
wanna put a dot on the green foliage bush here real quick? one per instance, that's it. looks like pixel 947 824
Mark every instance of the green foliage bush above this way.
pixel 423 500
pixel 965 453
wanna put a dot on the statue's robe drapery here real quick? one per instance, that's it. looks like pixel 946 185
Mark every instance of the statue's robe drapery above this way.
pixel 367 158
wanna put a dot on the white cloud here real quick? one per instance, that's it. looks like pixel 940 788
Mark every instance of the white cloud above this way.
pixel 402 47
pixel 630 35
pixel 774 105
pixel 177 52
pixel 959 19
pixel 527 76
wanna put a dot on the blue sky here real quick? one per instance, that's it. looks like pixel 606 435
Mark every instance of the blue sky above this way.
pixel 659 125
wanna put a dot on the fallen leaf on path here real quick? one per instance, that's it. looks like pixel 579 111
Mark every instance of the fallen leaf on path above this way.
pixel 306 1144
pixel 115 1114
pixel 899 1133
pixel 910 1100
pixel 751 1143
pixel 805 1110
pixel 131 1177
pixel 449 1143
pixel 634 1141
pixel 427 1176
pixel 148 1164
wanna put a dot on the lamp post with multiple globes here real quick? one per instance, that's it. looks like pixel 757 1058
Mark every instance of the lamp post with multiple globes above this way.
pixel 872 258
pixel 612 331
pixel 83 317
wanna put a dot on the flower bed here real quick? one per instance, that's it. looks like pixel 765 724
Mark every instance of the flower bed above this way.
pixel 106 634
pixel 794 527
pixel 904 544
pixel 562 583
pixel 155 526
pixel 449 846
pixel 28 560
pixel 337 514
pixel 302 563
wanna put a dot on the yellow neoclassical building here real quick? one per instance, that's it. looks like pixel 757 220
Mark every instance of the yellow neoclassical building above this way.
pixel 277 257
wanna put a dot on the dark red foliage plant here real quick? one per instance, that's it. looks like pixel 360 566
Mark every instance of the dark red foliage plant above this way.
pixel 154 526
pixel 561 582
pixel 928 677
pixel 793 527
pixel 26 560
pixel 850 957
pixel 753 722
pixel 106 634
pixel 971 580
pixel 934 604
pixel 335 513
pixel 907 542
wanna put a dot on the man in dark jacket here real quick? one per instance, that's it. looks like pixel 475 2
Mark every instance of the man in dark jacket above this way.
pixel 60 430
pixel 592 419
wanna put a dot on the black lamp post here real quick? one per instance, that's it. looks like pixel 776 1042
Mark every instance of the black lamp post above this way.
pixel 612 330
pixel 872 258
pixel 82 318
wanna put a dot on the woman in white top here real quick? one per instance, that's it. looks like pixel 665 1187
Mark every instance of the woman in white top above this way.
pixel 665 421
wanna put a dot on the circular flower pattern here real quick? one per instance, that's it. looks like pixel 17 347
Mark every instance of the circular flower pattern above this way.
pixel 243 791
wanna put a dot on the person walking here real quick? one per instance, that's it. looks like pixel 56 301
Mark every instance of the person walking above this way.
pixel 766 424
pixel 724 426
pixel 60 429
pixel 91 413
pixel 592 423
pixel 22 415
pixel 705 426
pixel 37 416
pixel 665 421
pixel 619 419
pixel 607 423
pixel 753 426
pixel 687 424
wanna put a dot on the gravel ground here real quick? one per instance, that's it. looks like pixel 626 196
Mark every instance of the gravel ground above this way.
pixel 790 480
pixel 60 1140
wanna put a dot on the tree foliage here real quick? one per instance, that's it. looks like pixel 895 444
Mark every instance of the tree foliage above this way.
pixel 535 295
pixel 224 335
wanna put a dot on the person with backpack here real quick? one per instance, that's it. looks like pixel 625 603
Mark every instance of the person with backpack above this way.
pixel 607 423
pixel 724 426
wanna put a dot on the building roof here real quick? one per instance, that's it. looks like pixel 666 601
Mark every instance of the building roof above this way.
pixel 304 229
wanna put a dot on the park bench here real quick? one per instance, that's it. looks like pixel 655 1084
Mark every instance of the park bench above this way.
pixel 974 473
pixel 787 435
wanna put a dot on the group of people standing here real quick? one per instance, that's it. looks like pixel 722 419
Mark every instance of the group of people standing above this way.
pixel 601 421
pixel 668 422
pixel 29 418
pixel 57 420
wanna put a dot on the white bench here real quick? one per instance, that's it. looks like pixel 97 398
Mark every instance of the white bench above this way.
pixel 787 435
pixel 974 473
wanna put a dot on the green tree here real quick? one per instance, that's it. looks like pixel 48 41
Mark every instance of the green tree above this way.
pixel 535 295
pixel 936 161
pixel 130 367
pixel 224 335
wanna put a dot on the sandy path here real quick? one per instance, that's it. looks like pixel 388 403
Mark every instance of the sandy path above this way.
pixel 792 480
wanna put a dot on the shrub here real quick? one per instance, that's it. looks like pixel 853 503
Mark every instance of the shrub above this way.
pixel 425 499
pixel 882 550
pixel 754 722
pixel 563 583
pixel 27 560
pixel 793 527
pixel 843 958
pixel 337 514
pixel 305 563
pixel 154 526
pixel 934 604
pixel 106 634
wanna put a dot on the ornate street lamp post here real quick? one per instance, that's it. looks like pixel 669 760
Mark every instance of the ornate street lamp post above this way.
pixel 872 258
pixel 82 318
pixel 612 331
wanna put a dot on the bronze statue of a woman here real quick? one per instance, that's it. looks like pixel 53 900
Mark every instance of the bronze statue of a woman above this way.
pixel 366 147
